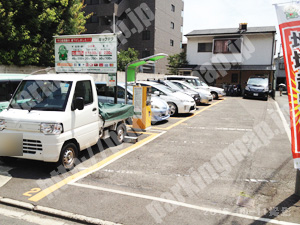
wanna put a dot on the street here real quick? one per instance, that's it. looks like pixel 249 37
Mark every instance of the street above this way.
pixel 229 163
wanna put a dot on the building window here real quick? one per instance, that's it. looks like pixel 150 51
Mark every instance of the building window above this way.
pixel 234 78
pixel 145 54
pixel 204 47
pixel 171 42
pixel 281 66
pixel 106 21
pixel 146 35
pixel 94 19
pixel 172 25
pixel 172 8
pixel 227 46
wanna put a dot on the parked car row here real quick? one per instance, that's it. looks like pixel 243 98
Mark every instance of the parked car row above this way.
pixel 169 97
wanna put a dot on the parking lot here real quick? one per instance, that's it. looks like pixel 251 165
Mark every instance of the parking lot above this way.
pixel 229 163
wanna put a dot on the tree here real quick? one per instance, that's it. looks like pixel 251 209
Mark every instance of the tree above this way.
pixel 27 28
pixel 176 61
pixel 125 57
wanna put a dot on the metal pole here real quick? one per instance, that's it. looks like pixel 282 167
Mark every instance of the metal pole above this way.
pixel 297 189
pixel 116 90
pixel 126 84
pixel 114 23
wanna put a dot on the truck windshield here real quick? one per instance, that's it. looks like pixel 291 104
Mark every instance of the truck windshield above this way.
pixel 41 95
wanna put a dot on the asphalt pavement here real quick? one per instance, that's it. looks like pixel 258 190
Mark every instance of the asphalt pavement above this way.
pixel 229 163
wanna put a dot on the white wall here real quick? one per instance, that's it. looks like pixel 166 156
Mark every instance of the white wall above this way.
pixel 195 57
pixel 260 49
pixel 97 77
pixel 256 50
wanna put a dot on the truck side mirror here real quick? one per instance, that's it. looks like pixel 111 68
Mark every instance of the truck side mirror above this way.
pixel 78 103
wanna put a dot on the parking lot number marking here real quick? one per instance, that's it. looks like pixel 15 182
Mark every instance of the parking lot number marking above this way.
pixel 32 191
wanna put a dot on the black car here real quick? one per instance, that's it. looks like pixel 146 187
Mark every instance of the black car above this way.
pixel 257 87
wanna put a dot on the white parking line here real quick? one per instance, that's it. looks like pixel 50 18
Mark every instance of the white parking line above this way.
pixel 115 159
pixel 182 204
pixel 4 180
pixel 29 218
pixel 285 124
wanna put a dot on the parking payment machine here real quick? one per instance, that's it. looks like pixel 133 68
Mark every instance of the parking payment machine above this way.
pixel 142 108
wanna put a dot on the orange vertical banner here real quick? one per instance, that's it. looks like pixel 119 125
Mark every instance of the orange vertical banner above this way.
pixel 289 25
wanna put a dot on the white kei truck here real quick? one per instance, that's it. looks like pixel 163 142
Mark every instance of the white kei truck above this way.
pixel 59 115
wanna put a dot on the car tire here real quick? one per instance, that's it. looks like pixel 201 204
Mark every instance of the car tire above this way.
pixel 266 99
pixel 118 136
pixel 68 156
pixel 173 108
pixel 215 95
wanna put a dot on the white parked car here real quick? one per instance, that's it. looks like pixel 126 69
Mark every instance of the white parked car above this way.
pixel 205 95
pixel 177 101
pixel 215 91
pixel 159 107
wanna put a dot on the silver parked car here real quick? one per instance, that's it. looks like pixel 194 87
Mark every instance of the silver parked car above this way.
pixel 204 94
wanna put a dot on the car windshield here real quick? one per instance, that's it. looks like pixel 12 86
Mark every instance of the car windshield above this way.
pixel 258 81
pixel 42 95
pixel 164 88
pixel 194 82
pixel 203 84
pixel 188 85
pixel 172 85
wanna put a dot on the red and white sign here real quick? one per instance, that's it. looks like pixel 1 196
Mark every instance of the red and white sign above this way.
pixel 95 53
pixel 289 25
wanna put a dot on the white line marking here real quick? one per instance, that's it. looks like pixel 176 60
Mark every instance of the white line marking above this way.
pixel 115 159
pixel 4 180
pixel 222 212
pixel 29 218
pixel 285 124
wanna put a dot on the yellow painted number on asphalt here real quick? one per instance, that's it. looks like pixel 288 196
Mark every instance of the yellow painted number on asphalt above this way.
pixel 32 191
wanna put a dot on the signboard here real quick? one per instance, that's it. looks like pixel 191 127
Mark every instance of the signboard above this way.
pixel 86 53
pixel 138 102
pixel 112 78
pixel 289 24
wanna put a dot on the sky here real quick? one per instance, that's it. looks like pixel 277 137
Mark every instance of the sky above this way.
pixel 213 14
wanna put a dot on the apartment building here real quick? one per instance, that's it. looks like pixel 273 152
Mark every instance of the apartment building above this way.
pixel 149 26
pixel 230 56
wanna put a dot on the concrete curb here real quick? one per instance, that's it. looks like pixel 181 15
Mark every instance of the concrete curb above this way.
pixel 54 212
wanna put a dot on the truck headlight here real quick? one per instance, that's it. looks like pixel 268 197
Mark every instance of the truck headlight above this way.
pixel 51 128
pixel 2 125
pixel 247 88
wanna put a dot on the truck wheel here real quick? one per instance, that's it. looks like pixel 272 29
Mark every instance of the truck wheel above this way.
pixel 118 136
pixel 215 95
pixel 173 109
pixel 68 156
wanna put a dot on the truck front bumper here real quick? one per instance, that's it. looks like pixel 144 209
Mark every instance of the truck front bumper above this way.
pixel 37 146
